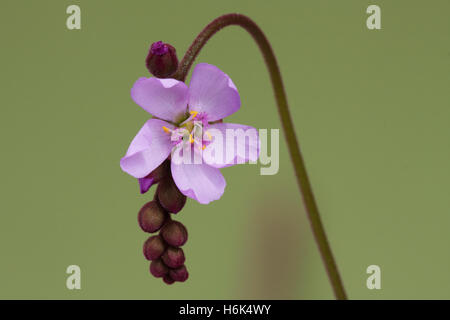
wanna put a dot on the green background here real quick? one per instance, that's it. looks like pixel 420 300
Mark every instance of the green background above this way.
pixel 371 110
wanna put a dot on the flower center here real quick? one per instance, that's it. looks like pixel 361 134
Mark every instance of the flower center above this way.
pixel 190 131
pixel 189 126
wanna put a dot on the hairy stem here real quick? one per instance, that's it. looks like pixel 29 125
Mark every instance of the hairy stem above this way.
pixel 283 110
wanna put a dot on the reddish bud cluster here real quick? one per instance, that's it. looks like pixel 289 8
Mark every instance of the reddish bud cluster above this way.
pixel 163 250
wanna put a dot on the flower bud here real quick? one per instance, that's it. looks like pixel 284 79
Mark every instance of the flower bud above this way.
pixel 168 280
pixel 169 196
pixel 173 257
pixel 154 247
pixel 162 60
pixel 161 171
pixel 158 268
pixel 151 217
pixel 174 233
pixel 180 274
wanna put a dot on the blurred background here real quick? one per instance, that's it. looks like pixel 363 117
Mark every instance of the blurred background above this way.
pixel 371 110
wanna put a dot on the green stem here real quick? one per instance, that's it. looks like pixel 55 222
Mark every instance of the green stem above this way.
pixel 283 110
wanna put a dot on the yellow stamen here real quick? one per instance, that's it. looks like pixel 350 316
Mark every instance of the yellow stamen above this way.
pixel 191 140
pixel 193 114
pixel 166 130
pixel 203 147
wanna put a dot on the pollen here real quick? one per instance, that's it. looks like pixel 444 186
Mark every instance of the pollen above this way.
pixel 208 135
pixel 193 113
pixel 166 130
pixel 191 140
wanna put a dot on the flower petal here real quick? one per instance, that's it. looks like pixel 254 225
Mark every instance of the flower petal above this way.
pixel 231 144
pixel 212 91
pixel 150 147
pixel 145 183
pixel 164 98
pixel 199 181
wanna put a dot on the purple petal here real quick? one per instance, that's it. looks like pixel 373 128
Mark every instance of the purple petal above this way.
pixel 145 184
pixel 232 144
pixel 164 98
pixel 199 181
pixel 150 147
pixel 212 91
pixel 153 177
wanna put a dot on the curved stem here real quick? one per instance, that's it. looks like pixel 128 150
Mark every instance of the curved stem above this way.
pixel 283 110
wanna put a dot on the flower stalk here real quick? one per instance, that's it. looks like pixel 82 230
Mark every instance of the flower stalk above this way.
pixel 288 127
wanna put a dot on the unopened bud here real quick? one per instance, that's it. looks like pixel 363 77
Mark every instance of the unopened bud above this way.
pixel 151 217
pixel 174 233
pixel 158 268
pixel 180 274
pixel 169 195
pixel 154 247
pixel 162 60
pixel 173 257
pixel 167 279
pixel 161 171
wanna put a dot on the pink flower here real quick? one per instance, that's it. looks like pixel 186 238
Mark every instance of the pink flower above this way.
pixel 186 123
